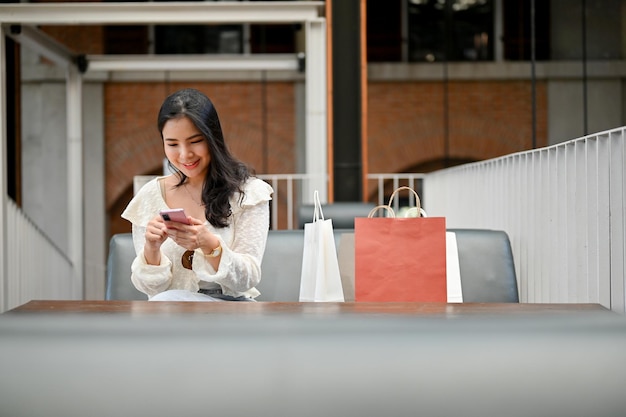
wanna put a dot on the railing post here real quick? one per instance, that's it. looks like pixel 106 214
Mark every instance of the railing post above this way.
pixel 315 90
pixel 3 169
pixel 75 179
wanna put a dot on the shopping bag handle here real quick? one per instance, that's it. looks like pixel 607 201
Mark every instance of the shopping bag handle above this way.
pixel 417 210
pixel 373 211
pixel 317 212
pixel 397 190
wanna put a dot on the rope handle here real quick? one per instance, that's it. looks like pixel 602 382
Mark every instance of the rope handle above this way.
pixel 317 212
pixel 416 211
pixel 386 207
pixel 417 197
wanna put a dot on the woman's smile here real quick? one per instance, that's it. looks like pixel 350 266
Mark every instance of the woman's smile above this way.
pixel 191 165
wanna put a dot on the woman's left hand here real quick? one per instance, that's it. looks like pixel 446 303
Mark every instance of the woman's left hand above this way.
pixel 192 236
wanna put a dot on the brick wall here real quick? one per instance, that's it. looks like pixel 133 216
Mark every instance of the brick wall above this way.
pixel 413 128
pixel 134 146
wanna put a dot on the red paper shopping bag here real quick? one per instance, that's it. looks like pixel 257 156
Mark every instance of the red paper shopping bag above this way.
pixel 400 259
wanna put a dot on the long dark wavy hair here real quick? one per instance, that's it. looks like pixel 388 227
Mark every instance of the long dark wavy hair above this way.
pixel 226 174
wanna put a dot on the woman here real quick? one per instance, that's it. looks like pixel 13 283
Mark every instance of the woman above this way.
pixel 218 255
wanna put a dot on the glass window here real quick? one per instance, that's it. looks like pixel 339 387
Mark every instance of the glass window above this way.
pixel 517 30
pixel 201 39
pixel 452 30
pixel 198 39
pixel 271 39
pixel 126 39
pixel 384 30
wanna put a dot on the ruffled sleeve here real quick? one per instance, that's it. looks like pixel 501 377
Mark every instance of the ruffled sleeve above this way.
pixel 255 191
pixel 145 204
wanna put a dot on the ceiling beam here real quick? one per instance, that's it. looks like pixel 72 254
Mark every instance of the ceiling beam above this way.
pixel 217 62
pixel 151 13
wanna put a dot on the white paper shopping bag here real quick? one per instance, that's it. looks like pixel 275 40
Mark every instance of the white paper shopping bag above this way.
pixel 453 271
pixel 320 279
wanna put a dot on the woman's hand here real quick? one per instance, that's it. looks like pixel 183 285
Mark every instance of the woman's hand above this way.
pixel 193 236
pixel 156 234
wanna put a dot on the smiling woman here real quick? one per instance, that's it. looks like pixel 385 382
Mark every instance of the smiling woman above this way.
pixel 217 256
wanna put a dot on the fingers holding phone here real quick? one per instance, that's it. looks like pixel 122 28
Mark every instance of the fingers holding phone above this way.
pixel 176 222
pixel 184 230
pixel 156 234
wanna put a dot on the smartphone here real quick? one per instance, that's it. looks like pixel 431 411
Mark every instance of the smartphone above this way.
pixel 174 215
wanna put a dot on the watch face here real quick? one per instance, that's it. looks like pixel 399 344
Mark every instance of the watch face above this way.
pixel 216 252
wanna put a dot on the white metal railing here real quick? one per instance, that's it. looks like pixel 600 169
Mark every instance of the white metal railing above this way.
pixel 36 268
pixel 408 179
pixel 290 192
pixel 293 186
pixel 563 208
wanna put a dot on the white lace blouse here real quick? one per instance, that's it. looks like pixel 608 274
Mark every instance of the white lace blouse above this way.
pixel 243 243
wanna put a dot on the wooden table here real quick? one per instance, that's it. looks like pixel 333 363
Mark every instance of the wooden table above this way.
pixel 306 309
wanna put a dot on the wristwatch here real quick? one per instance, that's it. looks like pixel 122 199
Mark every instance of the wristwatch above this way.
pixel 215 252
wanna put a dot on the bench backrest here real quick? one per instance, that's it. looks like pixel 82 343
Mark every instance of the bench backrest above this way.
pixel 485 261
pixel 121 255
pixel 343 213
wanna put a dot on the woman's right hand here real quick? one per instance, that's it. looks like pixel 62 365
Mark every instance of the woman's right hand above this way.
pixel 156 234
